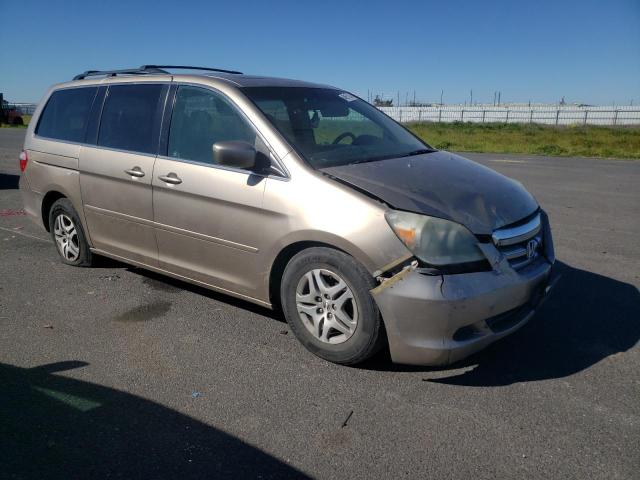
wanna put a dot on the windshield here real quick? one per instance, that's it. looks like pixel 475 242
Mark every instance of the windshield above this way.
pixel 331 127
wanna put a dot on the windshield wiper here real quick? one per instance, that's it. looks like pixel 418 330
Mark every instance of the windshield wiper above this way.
pixel 375 159
pixel 418 152
pixel 393 155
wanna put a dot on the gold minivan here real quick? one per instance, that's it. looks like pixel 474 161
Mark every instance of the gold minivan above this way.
pixel 291 195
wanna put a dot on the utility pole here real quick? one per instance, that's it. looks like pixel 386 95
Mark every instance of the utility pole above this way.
pixel 414 98
pixel 499 95
pixel 441 94
pixel 471 95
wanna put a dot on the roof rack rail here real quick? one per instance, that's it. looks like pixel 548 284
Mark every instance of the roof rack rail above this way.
pixel 146 69
pixel 113 73
pixel 186 67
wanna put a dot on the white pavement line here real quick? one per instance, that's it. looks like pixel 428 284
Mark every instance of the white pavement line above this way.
pixel 24 234
pixel 506 160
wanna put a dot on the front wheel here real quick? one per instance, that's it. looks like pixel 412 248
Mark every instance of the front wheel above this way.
pixel 326 301
pixel 68 234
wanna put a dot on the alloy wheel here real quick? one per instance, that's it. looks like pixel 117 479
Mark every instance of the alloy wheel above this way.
pixel 326 306
pixel 66 237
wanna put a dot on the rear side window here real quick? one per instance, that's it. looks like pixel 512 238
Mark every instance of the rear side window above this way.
pixel 129 118
pixel 66 113
pixel 200 119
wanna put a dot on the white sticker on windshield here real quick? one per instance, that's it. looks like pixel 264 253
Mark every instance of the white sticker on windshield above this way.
pixel 347 96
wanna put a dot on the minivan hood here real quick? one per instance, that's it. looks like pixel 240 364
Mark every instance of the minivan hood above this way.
pixel 443 185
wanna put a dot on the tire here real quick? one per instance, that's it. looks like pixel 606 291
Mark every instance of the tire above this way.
pixel 77 252
pixel 319 332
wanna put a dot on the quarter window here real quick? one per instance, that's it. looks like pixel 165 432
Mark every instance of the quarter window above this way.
pixel 201 118
pixel 66 113
pixel 129 118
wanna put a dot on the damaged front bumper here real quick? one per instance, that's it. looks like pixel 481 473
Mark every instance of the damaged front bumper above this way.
pixel 440 319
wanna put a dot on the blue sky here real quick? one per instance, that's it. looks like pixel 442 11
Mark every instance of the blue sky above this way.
pixel 587 51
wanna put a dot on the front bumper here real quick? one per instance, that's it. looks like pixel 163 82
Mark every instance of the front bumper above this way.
pixel 440 319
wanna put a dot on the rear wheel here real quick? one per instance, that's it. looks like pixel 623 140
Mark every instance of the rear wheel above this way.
pixel 68 235
pixel 326 301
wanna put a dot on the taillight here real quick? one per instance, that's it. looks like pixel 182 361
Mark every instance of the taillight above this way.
pixel 24 158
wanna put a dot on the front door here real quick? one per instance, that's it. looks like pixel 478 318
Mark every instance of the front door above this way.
pixel 116 174
pixel 207 215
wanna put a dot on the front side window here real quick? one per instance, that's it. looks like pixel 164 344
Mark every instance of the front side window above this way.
pixel 129 118
pixel 331 128
pixel 66 113
pixel 201 118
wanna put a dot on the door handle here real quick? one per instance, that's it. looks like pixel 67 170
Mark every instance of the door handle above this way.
pixel 135 172
pixel 171 178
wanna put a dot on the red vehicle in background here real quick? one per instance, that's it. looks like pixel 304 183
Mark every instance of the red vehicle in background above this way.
pixel 9 113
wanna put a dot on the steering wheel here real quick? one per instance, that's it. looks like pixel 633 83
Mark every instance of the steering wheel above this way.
pixel 343 136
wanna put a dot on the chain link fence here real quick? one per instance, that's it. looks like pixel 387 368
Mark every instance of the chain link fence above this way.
pixel 544 114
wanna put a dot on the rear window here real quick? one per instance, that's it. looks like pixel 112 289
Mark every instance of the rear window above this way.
pixel 129 118
pixel 66 113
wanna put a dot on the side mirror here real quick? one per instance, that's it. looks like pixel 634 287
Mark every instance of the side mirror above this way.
pixel 236 154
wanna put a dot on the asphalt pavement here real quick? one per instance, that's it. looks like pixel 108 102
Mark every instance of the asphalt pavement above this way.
pixel 121 373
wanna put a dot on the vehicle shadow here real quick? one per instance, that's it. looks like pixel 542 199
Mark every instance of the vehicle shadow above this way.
pixel 8 181
pixel 587 318
pixel 58 427
pixel 164 283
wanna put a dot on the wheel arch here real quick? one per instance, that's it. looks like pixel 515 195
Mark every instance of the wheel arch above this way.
pixel 287 252
pixel 47 202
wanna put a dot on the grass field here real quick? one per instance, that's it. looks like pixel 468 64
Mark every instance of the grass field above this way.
pixel 582 141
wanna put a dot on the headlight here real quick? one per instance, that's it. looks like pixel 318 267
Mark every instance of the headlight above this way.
pixel 436 241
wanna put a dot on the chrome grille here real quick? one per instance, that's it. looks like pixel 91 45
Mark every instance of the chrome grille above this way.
pixel 521 244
